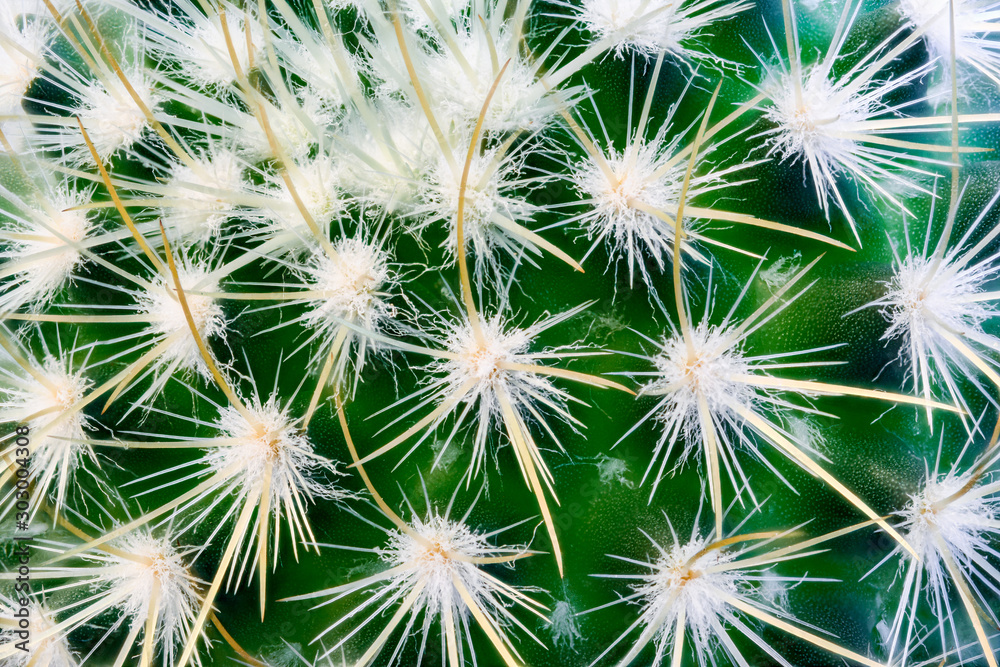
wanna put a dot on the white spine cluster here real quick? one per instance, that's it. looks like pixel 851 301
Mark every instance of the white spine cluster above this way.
pixel 521 102
pixel 441 551
pixel 925 301
pixel 169 324
pixel 476 375
pixel 382 166
pixel 948 509
pixel 197 46
pixel 651 26
pixel 681 579
pixel 705 372
pixel 48 402
pixel 950 524
pixel 937 304
pixel 113 120
pixel 814 125
pixel 491 208
pixel 626 212
pixel 709 589
pixel 228 146
pixel 976 47
pixel 355 283
pixel 436 571
pixel 53 651
pixel 44 246
pixel 270 444
pixel 152 571
pixel 21 53
pixel 199 199
pixel 837 116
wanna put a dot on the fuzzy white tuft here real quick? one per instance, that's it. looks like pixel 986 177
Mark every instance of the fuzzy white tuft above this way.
pixel 141 564
pixel 199 200
pixel 57 425
pixel 976 25
pixel 945 508
pixel 22 54
pixel 715 397
pixel 521 102
pixel 381 165
pixel 840 121
pixel 924 296
pixel 163 564
pixel 114 122
pixel 705 372
pixel 937 306
pixel 651 26
pixel 623 210
pixel 44 245
pixel 197 43
pixel 347 305
pixel 951 524
pixel 271 443
pixel 679 578
pixel 684 378
pixel 135 578
pixel 701 590
pixel 168 322
pixel 52 651
pixel 316 182
pixel 492 208
pixel 476 374
pixel 479 363
pixel 812 129
pixel 356 284
pixel 443 550
pixel 436 565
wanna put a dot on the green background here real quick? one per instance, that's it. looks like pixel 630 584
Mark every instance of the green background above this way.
pixel 601 512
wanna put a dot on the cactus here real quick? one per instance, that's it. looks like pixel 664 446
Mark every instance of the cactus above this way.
pixel 499 332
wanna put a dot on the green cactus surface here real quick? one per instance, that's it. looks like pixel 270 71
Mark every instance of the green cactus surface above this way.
pixel 499 333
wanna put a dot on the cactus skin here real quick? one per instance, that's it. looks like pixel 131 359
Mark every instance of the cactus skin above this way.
pixel 499 332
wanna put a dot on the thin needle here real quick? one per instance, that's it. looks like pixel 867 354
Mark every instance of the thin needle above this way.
pixel 463 267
